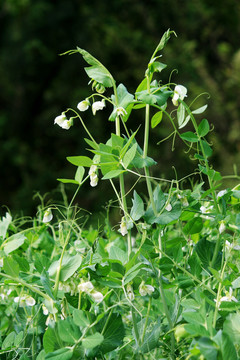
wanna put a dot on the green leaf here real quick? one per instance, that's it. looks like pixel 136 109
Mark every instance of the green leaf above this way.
pixel 113 333
pixel 194 226
pixel 80 160
pixel 168 216
pixel 8 341
pixel 180 115
pixel 236 283
pixel 60 354
pixel 156 66
pixel 229 306
pixel 156 119
pixel 137 210
pixel 158 97
pixel 79 174
pixel 129 156
pixel 91 143
pixel 80 319
pixel 151 338
pixel 70 264
pixel 205 249
pixel 208 348
pixel 97 71
pixel 115 253
pixel 92 341
pixel 68 331
pixel 50 340
pixel 68 181
pixel 207 149
pixel 189 136
pixel 10 266
pixel 185 122
pixel 231 327
pixel 22 262
pixel 18 339
pixel 203 128
pixel 226 345
pixel 200 110
pixel 4 224
pixel 112 174
pixel 16 241
pixel 46 283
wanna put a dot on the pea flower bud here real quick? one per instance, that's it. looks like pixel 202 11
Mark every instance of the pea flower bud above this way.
pixel 93 175
pixel 168 207
pixel 123 227
pixel 222 227
pixel 47 217
pixel 97 296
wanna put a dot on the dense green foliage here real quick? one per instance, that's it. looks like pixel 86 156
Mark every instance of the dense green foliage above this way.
pixel 36 82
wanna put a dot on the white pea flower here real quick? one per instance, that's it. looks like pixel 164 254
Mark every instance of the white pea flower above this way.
pixel 30 301
pixel 97 296
pixel 63 122
pixel 130 292
pixel 45 310
pixel 180 92
pixel 121 111
pixel 228 297
pixel 24 300
pixel 221 193
pixel 93 175
pixel 168 207
pixel 123 227
pixel 222 227
pixel 83 105
pixel 85 286
pixel 98 105
pixel 47 217
pixel 145 289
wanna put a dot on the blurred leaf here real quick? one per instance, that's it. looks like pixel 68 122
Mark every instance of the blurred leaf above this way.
pixel 231 327
pixel 68 331
pixel 16 241
pixel 4 224
pixel 193 226
pixel 189 136
pixel 60 354
pixel 80 319
pixel 92 341
pixel 10 266
pixel 137 210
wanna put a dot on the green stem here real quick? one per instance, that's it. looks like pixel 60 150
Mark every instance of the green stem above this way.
pixel 146 321
pixel 145 152
pixel 218 296
pixel 25 284
pixel 135 328
pixel 163 297
pixel 84 126
pixel 57 279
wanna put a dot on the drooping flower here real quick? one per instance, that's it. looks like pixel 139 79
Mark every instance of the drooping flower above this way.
pixel 83 105
pixel 97 296
pixel 98 105
pixel 85 286
pixel 45 310
pixel 145 289
pixel 222 227
pixel 93 175
pixel 25 301
pixel 47 217
pixel 180 92
pixel 168 207
pixel 123 226
pixel 63 122
pixel 130 292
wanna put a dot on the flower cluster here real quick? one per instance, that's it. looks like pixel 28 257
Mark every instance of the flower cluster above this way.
pixel 25 300
pixel 63 122
pixel 88 288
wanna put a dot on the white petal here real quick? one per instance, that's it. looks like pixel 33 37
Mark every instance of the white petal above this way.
pixel 83 105
pixel 97 105
pixel 47 217
pixel 97 296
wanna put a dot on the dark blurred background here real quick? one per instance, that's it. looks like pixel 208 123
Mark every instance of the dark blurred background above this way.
pixel 37 84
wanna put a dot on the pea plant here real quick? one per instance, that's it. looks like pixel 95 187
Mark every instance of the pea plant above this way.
pixel 164 282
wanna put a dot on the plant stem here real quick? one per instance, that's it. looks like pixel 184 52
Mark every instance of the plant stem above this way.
pixel 145 152
pixel 218 296
pixel 135 328
pixel 163 297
